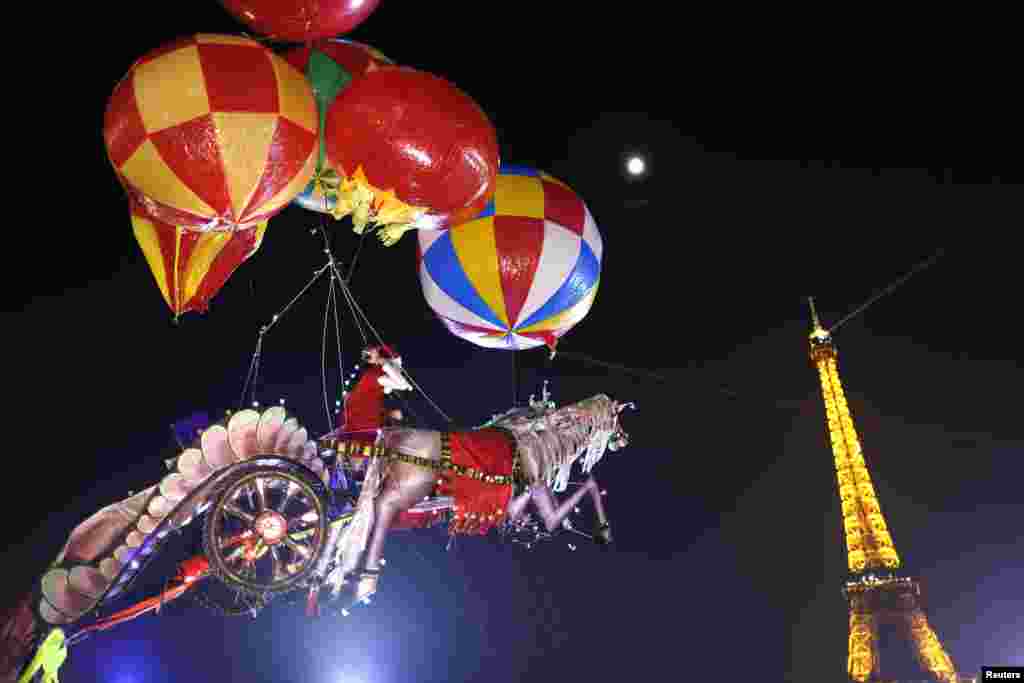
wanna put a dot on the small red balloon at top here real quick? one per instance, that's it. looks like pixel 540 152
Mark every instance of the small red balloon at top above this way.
pixel 301 20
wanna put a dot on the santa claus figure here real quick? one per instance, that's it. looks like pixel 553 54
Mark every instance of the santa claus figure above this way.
pixel 366 410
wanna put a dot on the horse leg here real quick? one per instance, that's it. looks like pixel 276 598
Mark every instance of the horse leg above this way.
pixel 603 532
pixel 517 505
pixel 595 498
pixel 404 486
pixel 553 513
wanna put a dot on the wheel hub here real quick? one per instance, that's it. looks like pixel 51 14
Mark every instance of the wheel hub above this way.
pixel 271 526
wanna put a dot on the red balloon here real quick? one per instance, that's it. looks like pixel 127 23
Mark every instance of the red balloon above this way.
pixel 419 136
pixel 301 20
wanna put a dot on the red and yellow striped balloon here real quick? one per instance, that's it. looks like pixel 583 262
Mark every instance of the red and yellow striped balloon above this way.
pixel 190 267
pixel 212 132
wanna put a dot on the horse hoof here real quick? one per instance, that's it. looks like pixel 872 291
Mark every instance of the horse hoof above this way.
pixel 362 588
pixel 603 534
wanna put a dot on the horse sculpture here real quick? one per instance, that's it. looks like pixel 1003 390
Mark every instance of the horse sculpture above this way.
pixel 488 475
pixel 492 472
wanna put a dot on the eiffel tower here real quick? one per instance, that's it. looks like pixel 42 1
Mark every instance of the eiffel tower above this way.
pixel 876 590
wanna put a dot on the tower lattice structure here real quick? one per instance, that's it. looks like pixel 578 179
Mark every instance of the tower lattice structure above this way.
pixel 876 591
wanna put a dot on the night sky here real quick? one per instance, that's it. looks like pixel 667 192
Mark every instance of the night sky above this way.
pixel 776 172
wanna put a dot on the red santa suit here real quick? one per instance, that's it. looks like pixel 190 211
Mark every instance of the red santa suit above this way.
pixel 364 408
pixel 365 411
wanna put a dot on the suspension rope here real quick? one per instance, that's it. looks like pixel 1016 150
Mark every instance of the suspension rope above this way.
pixel 337 329
pixel 418 420
pixel 333 303
pixel 323 359
pixel 254 369
pixel 254 366
pixel 611 366
pixel 359 249
pixel 888 290
pixel 548 362
pixel 357 316
pixel 405 373
pixel 276 318
pixel 350 300
pixel 632 371
pixel 515 381
pixel 331 306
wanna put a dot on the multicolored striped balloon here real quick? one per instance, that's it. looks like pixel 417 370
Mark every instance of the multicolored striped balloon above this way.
pixel 521 274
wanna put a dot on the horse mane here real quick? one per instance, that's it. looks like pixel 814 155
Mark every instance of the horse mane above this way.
pixel 558 437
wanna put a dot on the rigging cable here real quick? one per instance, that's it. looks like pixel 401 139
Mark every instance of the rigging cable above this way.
pixel 418 420
pixel 323 358
pixel 352 308
pixel 358 317
pixel 515 380
pixel 331 306
pixel 359 249
pixel 633 371
pixel 254 369
pixel 611 366
pixel 888 290
pixel 254 366
pixel 277 317
pixel 731 394
pixel 357 313
pixel 337 329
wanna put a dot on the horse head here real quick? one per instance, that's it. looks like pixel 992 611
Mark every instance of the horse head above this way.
pixel 619 438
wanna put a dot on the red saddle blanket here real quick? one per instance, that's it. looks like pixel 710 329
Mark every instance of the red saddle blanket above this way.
pixel 409 520
pixel 478 468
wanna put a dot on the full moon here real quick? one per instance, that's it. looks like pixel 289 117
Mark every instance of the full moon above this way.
pixel 635 166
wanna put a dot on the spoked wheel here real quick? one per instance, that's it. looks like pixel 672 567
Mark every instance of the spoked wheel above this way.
pixel 266 532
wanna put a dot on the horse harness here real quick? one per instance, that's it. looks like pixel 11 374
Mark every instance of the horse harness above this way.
pixel 349 450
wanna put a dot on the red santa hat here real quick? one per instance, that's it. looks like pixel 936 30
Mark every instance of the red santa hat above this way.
pixel 385 351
